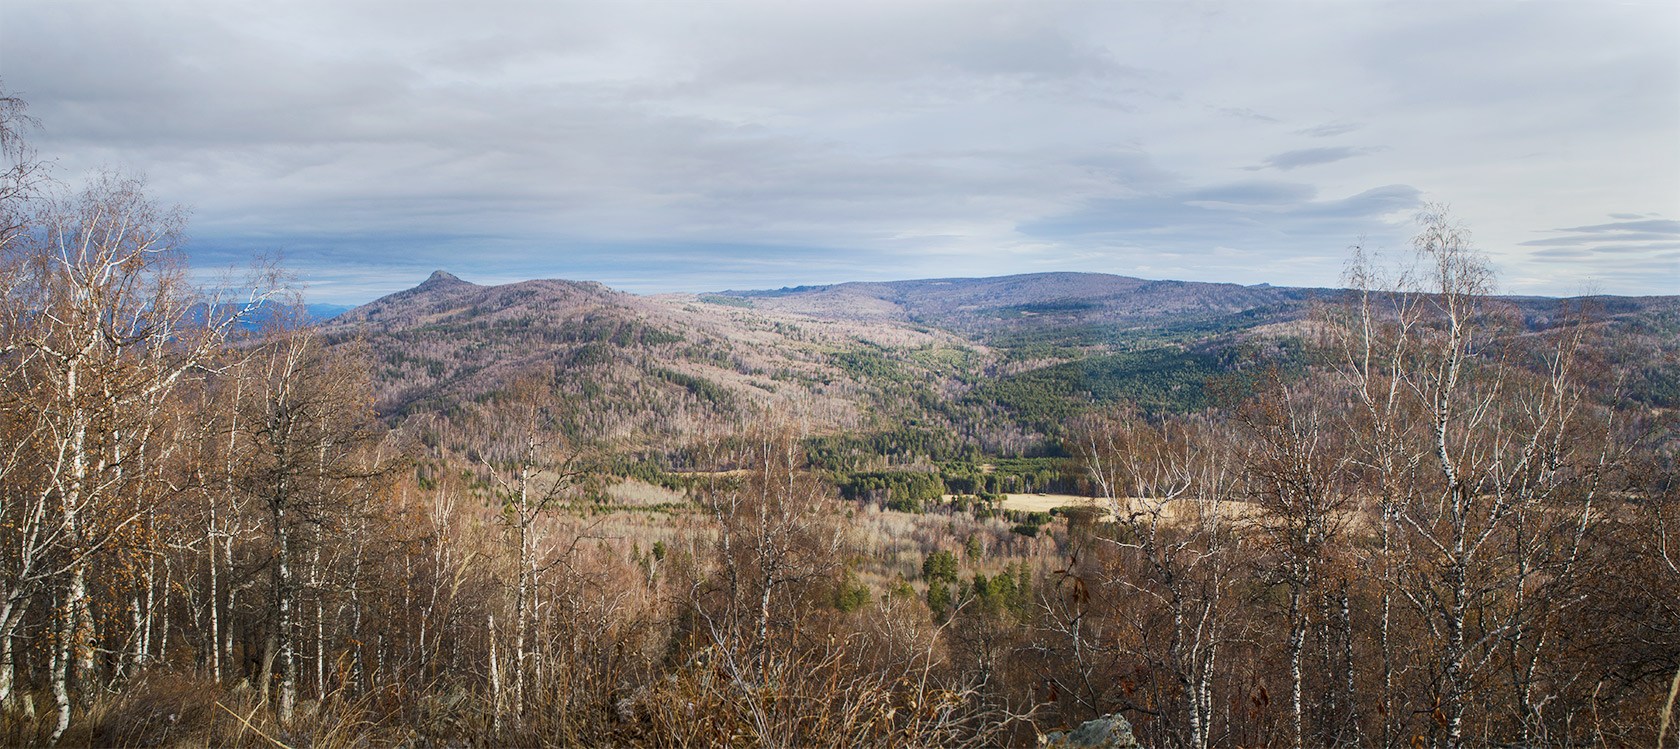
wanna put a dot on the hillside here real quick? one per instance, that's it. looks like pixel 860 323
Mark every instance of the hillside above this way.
pixel 963 301
pixel 1062 315
pixel 650 368
pixel 999 362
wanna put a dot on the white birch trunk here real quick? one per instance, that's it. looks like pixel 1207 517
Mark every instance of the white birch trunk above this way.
pixel 320 627
pixel 495 680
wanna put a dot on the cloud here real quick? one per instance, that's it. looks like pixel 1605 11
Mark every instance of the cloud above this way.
pixel 1651 233
pixel 689 146
pixel 1638 250
pixel 1255 193
pixel 1654 226
pixel 1311 156
pixel 1255 218
pixel 1330 130
pixel 1559 253
pixel 1244 113
pixel 1595 239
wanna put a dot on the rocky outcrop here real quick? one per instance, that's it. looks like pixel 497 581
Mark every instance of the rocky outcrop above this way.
pixel 1107 732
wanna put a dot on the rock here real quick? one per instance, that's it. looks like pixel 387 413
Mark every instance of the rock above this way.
pixel 1107 732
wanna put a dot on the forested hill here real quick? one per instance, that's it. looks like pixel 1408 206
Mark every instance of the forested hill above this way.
pixel 649 368
pixel 857 348
pixel 1001 358
pixel 444 296
pixel 1050 309
pixel 1098 309
pixel 969 301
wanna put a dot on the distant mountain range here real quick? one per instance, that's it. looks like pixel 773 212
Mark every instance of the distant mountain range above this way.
pixel 1066 309
pixel 972 355
pixel 324 312
pixel 988 303
pixel 982 299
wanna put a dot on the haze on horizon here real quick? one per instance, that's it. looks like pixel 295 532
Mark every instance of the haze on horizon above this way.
pixel 692 147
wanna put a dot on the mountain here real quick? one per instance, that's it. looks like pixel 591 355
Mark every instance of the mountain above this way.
pixel 1054 314
pixel 651 368
pixel 995 362
pixel 325 312
pixel 981 300
pixel 445 299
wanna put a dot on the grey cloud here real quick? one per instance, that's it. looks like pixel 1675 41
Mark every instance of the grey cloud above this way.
pixel 1558 253
pixel 1660 226
pixel 893 43
pixel 1372 203
pixel 1594 239
pixel 1660 274
pixel 640 140
pixel 1331 130
pixel 1588 251
pixel 1271 216
pixel 1633 235
pixel 1256 193
pixel 1244 113
pixel 1311 156
pixel 1636 251
pixel 1549 61
pixel 1625 249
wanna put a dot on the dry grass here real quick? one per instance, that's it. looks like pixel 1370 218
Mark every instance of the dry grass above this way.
pixel 641 494
pixel 1172 510
pixel 1045 502
pixel 167 709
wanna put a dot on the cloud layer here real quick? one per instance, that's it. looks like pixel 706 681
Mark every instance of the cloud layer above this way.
pixel 666 146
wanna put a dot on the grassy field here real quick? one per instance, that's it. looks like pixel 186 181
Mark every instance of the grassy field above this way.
pixel 1179 509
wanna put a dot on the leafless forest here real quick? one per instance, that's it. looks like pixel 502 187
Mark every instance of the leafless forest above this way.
pixel 1447 528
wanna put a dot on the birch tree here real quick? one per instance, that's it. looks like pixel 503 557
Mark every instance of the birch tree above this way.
pixel 1483 454
pixel 1160 577
pixel 1294 476
pixel 535 468
pixel 105 330
pixel 310 435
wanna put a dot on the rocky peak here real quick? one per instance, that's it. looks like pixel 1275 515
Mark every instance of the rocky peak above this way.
pixel 442 279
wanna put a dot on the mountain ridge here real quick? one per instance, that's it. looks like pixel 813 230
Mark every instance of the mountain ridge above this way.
pixel 954 354
pixel 1023 287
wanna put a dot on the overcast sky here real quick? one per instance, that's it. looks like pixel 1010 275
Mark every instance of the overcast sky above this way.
pixel 703 146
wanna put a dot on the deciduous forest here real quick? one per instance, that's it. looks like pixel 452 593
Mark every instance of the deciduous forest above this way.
pixel 1415 514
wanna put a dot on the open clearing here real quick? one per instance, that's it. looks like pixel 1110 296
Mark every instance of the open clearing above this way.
pixel 1174 510
pixel 1048 502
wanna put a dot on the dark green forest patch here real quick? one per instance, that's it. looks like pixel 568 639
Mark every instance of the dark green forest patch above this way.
pixel 727 301
pixel 1164 379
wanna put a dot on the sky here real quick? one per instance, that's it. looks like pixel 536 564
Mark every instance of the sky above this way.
pixel 688 146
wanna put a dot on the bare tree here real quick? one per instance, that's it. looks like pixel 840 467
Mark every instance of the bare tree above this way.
pixel 535 468
pixel 1162 573
pixel 104 330
pixel 309 430
pixel 778 547
pixel 1295 477
pixel 1366 348
pixel 1477 442
pixel 22 176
